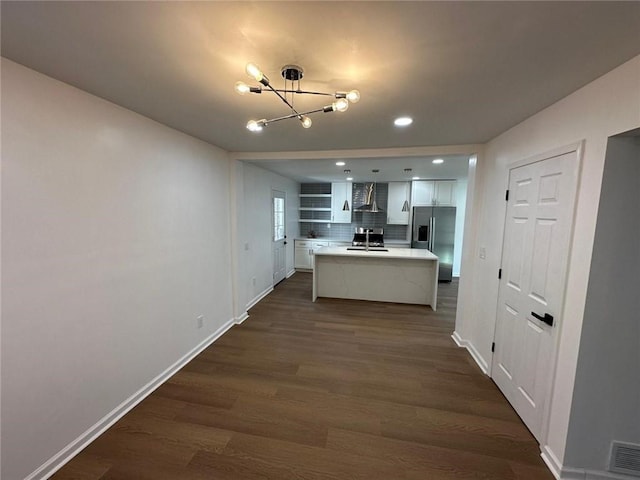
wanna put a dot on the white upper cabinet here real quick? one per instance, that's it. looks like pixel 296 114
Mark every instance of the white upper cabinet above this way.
pixel 422 193
pixel 445 193
pixel 398 195
pixel 433 192
pixel 341 193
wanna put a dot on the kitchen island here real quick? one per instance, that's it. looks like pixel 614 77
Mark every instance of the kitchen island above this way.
pixel 398 275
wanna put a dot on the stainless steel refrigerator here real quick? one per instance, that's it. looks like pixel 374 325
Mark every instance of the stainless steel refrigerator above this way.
pixel 434 228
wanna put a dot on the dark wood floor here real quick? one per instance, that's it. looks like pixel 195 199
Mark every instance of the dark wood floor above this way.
pixel 336 389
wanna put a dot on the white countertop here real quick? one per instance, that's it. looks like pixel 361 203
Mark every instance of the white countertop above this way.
pixel 404 253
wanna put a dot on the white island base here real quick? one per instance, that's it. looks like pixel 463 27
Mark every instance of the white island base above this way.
pixel 400 275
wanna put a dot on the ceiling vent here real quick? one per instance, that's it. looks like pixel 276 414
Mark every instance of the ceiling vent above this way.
pixel 625 458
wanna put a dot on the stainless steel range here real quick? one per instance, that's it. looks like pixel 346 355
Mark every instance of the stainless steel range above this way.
pixel 372 237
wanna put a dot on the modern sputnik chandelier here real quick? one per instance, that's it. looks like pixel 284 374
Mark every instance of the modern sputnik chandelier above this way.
pixel 292 75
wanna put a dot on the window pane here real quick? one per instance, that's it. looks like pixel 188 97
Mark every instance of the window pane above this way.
pixel 278 218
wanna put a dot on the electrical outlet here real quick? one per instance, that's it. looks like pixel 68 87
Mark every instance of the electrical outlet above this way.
pixel 246 247
pixel 200 321
pixel 253 281
pixel 483 253
pixel 328 225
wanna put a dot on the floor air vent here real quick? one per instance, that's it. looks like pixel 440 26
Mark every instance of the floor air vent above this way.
pixel 625 458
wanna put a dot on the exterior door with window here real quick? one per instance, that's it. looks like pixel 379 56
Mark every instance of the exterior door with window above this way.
pixel 279 237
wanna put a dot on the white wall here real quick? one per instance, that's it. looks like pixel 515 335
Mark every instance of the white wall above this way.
pixel 606 399
pixel 461 203
pixel 607 106
pixel 254 186
pixel 115 236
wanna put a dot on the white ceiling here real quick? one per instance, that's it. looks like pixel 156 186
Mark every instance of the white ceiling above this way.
pixel 465 71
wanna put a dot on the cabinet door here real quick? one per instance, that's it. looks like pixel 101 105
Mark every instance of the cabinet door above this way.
pixel 398 194
pixel 422 193
pixel 339 244
pixel 302 257
pixel 317 245
pixel 341 193
pixel 445 193
pixel 302 254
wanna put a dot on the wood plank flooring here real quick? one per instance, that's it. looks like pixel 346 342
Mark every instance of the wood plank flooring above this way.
pixel 336 389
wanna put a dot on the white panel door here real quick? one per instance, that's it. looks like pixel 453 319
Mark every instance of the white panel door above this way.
pixel 534 265
pixel 279 237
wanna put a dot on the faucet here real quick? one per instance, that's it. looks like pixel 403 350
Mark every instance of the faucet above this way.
pixel 366 240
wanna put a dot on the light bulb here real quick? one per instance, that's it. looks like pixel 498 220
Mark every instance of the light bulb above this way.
pixel 306 121
pixel 437 161
pixel 254 72
pixel 353 96
pixel 341 104
pixel 254 126
pixel 242 88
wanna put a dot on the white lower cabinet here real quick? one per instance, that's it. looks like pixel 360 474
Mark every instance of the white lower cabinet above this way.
pixel 304 249
pixel 339 244
pixel 302 257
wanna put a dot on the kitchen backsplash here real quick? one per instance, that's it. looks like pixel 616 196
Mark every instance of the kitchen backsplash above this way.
pixel 315 188
pixel 358 219
pixel 345 231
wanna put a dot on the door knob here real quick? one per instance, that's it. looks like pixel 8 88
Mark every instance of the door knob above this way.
pixel 548 319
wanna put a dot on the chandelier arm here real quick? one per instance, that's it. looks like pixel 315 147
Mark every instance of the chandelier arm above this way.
pixel 277 119
pixel 305 92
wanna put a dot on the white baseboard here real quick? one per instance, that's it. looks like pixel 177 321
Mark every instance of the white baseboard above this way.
pixel 566 473
pixel 293 270
pixel 484 366
pixel 551 460
pixel 259 297
pixel 72 449
pixel 243 316
pixel 581 474
pixel 458 339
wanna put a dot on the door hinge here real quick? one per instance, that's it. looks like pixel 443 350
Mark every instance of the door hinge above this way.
pixel 499 273
pixel 493 347
pixel 506 196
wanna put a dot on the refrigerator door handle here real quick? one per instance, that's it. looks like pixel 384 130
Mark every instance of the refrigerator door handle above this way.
pixel 433 233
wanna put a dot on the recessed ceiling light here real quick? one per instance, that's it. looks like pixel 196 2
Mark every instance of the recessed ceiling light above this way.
pixel 349 179
pixel 403 121
pixel 340 164
pixel 438 161
pixel 415 178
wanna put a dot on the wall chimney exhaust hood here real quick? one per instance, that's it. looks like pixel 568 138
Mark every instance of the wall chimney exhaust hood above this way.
pixel 370 204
